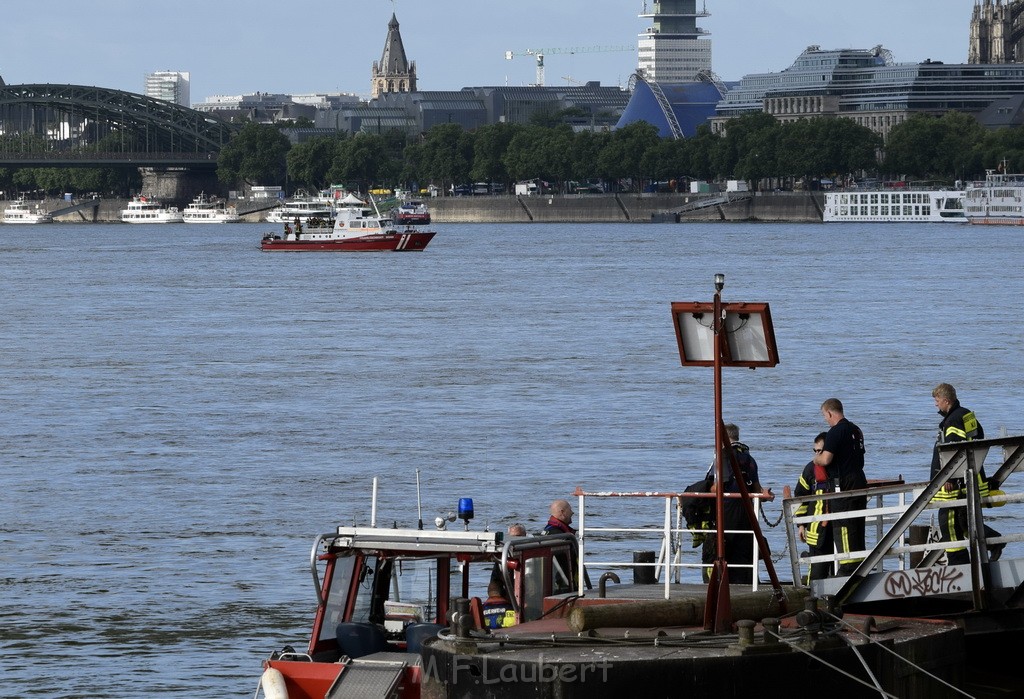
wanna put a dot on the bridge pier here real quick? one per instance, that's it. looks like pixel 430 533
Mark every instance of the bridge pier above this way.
pixel 177 185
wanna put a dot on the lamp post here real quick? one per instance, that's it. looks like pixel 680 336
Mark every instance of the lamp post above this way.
pixel 718 609
pixel 738 335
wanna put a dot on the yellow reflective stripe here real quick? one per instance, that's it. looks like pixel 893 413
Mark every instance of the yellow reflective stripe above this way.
pixel 983 489
pixel 970 423
pixel 956 432
pixel 951 528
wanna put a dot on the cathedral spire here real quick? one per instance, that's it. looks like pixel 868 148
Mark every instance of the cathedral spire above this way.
pixel 394 72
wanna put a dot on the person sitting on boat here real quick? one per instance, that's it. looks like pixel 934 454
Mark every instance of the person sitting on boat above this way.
pixel 498 612
pixel 496 574
pixel 559 522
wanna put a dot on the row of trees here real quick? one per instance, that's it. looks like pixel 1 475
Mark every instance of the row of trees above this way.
pixel 754 147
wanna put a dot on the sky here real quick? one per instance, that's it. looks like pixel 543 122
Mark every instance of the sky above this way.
pixel 233 47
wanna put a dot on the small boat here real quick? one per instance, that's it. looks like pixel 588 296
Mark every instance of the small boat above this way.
pixel 20 212
pixel 204 209
pixel 357 228
pixel 145 210
pixel 412 213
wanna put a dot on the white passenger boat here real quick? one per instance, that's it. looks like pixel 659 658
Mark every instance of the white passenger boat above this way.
pixel 19 211
pixel 311 212
pixel 145 210
pixel 204 209
pixel 998 201
pixel 895 206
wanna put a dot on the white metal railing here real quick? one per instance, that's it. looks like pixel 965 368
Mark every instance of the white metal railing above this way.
pixel 669 565
pixel 886 506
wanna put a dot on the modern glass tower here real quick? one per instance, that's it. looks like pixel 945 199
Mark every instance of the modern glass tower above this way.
pixel 674 49
pixel 169 85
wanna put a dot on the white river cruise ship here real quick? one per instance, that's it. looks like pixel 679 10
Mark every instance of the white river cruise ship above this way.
pixel 895 206
pixel 998 201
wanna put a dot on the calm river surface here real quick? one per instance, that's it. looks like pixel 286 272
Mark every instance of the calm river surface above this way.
pixel 182 413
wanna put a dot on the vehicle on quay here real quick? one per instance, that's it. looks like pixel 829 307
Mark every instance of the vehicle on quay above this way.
pixel 204 209
pixel 357 228
pixel 411 213
pixel 143 209
pixel 895 206
pixel 19 211
pixel 996 201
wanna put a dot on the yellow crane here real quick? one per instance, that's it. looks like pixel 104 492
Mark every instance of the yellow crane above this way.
pixel 540 53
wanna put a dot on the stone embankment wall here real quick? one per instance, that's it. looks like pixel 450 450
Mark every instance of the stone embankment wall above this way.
pixel 585 208
pixel 627 208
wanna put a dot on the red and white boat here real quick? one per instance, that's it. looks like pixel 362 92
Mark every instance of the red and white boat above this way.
pixel 412 213
pixel 357 228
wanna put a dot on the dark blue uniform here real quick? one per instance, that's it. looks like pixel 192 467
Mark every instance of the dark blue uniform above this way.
pixel 846 472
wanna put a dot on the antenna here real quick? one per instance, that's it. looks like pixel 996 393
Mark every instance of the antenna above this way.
pixel 419 506
pixel 373 507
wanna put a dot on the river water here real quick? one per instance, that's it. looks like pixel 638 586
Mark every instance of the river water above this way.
pixel 183 413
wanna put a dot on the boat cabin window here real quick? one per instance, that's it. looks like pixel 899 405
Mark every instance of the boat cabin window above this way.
pixel 337 596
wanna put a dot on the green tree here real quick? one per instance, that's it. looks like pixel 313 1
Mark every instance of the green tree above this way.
pixel 447 155
pixel 310 162
pixel 255 154
pixel 489 145
pixel 624 153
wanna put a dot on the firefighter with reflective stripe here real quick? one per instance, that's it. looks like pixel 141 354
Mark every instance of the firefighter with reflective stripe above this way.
pixel 842 456
pixel 958 425
pixel 818 534
pixel 497 610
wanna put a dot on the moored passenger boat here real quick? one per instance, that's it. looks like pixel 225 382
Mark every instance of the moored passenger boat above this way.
pixel 307 210
pixel 895 206
pixel 411 213
pixel 997 201
pixel 142 209
pixel 19 211
pixel 204 209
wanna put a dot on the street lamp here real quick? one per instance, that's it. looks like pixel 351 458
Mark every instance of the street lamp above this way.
pixel 736 334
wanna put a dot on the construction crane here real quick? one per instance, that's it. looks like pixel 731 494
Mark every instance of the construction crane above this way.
pixel 540 53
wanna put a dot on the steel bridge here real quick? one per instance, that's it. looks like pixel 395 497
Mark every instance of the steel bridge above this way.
pixel 81 126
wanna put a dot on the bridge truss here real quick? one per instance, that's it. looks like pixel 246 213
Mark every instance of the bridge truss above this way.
pixel 80 125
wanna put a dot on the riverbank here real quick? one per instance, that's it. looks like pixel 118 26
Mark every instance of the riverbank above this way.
pixel 774 207
pixel 771 207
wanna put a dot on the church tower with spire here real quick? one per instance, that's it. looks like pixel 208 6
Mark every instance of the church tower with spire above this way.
pixel 996 35
pixel 394 72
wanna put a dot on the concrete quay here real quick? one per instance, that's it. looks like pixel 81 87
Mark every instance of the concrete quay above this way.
pixel 782 207
pixel 796 207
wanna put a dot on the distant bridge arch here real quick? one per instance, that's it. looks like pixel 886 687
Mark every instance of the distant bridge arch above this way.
pixel 77 125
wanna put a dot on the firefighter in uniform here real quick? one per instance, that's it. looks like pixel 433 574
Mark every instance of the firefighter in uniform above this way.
pixel 842 456
pixel 958 425
pixel 817 535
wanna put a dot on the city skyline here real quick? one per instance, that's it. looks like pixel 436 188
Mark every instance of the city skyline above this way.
pixel 235 47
